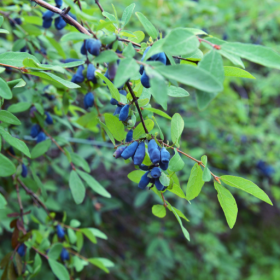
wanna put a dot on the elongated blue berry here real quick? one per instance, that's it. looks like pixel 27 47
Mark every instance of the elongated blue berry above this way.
pixel 48 15
pixel 145 180
pixel 83 48
pixel 159 185
pixel 78 77
pixel 93 46
pixel 164 155
pixel 64 255
pixel 48 118
pixel 129 151
pixel 24 170
pixel 58 3
pixel 41 137
pixel 123 92
pixel 47 23
pixel 11 150
pixel 124 113
pixel 139 154
pixel 145 80
pixel 91 73
pixel 163 166
pixel 21 250
pixel 114 101
pixel 119 151
pixel 35 130
pixel 60 231
pixel 59 23
pixel 156 172
pixel 112 70
pixel 89 100
pixel 155 156
pixel 129 136
pixel 118 110
pixel 152 146
pixel 143 167
pixel 162 58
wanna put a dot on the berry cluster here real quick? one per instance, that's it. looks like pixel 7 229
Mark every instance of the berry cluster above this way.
pixel 64 255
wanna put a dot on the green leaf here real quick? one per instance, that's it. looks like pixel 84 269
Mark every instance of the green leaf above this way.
pixel 108 132
pixel 55 251
pixel 7 168
pixel 19 107
pixel 57 46
pixel 203 99
pixel 93 184
pixel 176 163
pixel 177 92
pixel 106 56
pixel 158 87
pixel 127 14
pixel 56 80
pixel 177 127
pixel 37 265
pixel 20 145
pixel 129 51
pixel 246 186
pixel 165 181
pixel 158 112
pixel 16 83
pixel 9 118
pixel 16 58
pixel 41 148
pixel 160 132
pixel 135 175
pixel 148 26
pixel 99 264
pixel 180 42
pixel 115 126
pixel 1 20
pixel 195 183
pixel 177 190
pixel 259 54
pixel 5 91
pixel 139 130
pixel 192 76
pixel 3 201
pixel 180 214
pixel 113 90
pixel 59 270
pixel 206 176
pixel 237 72
pixel 126 69
pixel 80 161
pixel 159 211
pixel 89 234
pixel 98 233
pixel 227 203
pixel 74 36
pixel 77 187
pixel 185 232
pixel 39 183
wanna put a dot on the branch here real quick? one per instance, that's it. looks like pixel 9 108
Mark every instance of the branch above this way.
pixel 137 106
pixel 18 68
pixel 217 47
pixel 100 7
pixel 65 16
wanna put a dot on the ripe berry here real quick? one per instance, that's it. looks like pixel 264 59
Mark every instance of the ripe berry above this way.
pixel 35 130
pixel 48 15
pixel 83 49
pixel 21 250
pixel 93 46
pixel 129 136
pixel 139 154
pixel 145 80
pixel 41 137
pixel 152 146
pixel 155 156
pixel 58 3
pixel 144 167
pixel 164 156
pixel 60 231
pixel 59 23
pixel 78 77
pixel 118 110
pixel 91 73
pixel 89 100
pixel 47 23
pixel 163 166
pixel 145 180
pixel 48 118
pixel 119 151
pixel 24 170
pixel 113 101
pixel 129 151
pixel 156 172
pixel 159 185
pixel 112 70
pixel 124 113
pixel 123 92
pixel 64 255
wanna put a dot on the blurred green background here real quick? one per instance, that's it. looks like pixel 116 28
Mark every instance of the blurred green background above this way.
pixel 238 131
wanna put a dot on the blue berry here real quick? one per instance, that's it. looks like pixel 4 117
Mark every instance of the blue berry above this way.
pixel 47 23
pixel 164 156
pixel 129 136
pixel 155 156
pixel 119 151
pixel 139 154
pixel 89 100
pixel 48 118
pixel 93 46
pixel 152 146
pixel 124 113
pixel 118 110
pixel 91 73
pixel 78 77
pixel 83 48
pixel 21 250
pixel 145 180
pixel 156 172
pixel 60 231
pixel 59 23
pixel 113 101
pixel 35 130
pixel 129 151
pixel 64 255
pixel 144 167
pixel 159 185
pixel 41 137
pixel 48 15
pixel 58 3
pixel 145 80
pixel 163 166
pixel 24 170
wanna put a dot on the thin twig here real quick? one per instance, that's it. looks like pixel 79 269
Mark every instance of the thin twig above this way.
pixel 44 255
pixel 99 5
pixel 137 106
pixel 217 47
pixel 22 69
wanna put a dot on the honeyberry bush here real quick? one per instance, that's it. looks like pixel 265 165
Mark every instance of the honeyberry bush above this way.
pixel 107 64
